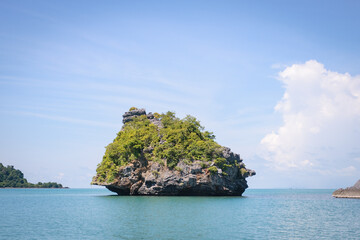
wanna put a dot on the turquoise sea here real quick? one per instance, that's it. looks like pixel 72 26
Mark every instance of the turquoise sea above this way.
pixel 98 214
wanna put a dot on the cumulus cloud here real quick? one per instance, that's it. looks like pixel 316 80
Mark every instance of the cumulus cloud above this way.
pixel 321 121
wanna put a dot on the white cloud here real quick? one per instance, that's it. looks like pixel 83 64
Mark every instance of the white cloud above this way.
pixel 321 120
pixel 60 176
pixel 348 171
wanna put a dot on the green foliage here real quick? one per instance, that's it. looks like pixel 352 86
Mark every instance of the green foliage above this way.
pixel 177 139
pixel 155 173
pixel 203 165
pixel 132 108
pixel 128 146
pixel 221 163
pixel 14 178
pixel 236 163
pixel 243 171
pixel 178 169
pixel 213 170
pixel 157 115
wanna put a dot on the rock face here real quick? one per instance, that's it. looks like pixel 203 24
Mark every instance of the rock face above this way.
pixel 350 192
pixel 139 178
pixel 197 178
pixel 128 116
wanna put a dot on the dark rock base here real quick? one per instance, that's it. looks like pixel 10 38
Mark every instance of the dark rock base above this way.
pixel 192 180
pixel 172 191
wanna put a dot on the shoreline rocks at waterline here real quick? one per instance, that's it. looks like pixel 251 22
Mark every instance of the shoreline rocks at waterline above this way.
pixel 350 192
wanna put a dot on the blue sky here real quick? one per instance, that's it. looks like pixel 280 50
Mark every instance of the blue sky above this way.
pixel 276 81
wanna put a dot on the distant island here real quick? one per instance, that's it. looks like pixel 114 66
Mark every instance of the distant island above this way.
pixel 350 192
pixel 160 154
pixel 14 178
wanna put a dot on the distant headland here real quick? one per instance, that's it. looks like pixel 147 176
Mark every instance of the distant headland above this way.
pixel 350 192
pixel 160 154
pixel 14 178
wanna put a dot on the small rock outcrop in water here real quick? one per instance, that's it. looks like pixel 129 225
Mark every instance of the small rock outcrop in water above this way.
pixel 157 154
pixel 350 192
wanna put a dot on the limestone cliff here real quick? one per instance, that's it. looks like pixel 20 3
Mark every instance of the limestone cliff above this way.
pixel 157 154
pixel 350 192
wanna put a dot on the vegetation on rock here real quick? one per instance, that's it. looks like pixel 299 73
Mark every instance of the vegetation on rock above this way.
pixel 213 170
pixel 14 178
pixel 167 142
pixel 160 154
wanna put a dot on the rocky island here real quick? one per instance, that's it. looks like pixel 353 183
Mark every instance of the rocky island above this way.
pixel 350 192
pixel 160 154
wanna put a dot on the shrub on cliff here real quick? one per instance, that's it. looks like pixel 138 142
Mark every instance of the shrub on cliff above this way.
pixel 212 170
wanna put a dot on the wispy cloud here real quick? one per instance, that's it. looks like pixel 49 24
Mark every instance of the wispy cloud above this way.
pixel 278 66
pixel 60 176
pixel 69 119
